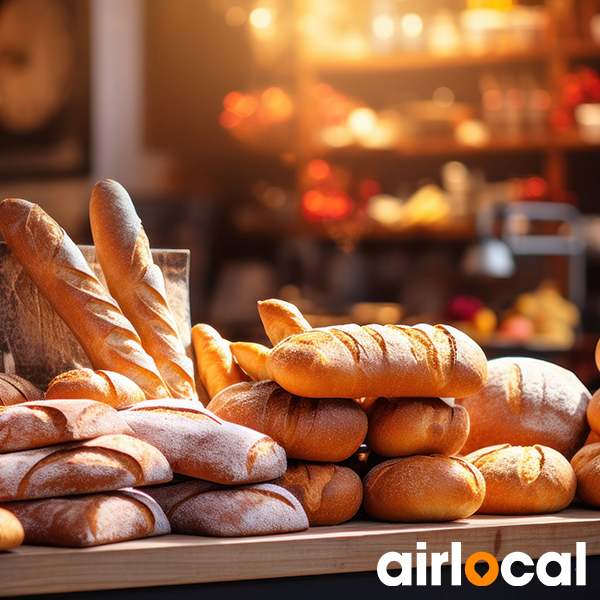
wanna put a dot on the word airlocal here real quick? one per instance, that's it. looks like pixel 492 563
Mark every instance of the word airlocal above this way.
pixel 405 577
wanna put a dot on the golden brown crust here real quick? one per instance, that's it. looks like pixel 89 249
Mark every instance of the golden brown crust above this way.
pixel 350 361
pixel 423 488
pixel 319 429
pixel 407 426
pixel 16 390
pixel 330 494
pixel 102 386
pixel 281 319
pixel 586 464
pixel 524 480
pixel 217 368
pixel 528 401
pixel 12 533
pixel 252 358
pixel 137 284
pixel 593 412
pixel 60 271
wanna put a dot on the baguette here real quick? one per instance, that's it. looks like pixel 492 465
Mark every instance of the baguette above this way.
pixel 60 271
pixel 394 361
pixel 90 520
pixel 137 283
pixel 281 319
pixel 252 358
pixel 103 386
pixel 199 444
pixel 15 390
pixel 37 424
pixel 330 494
pixel 323 429
pixel 12 533
pixel 104 464
pixel 204 508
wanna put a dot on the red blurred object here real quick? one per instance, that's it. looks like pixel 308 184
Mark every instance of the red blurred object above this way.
pixel 463 308
pixel 317 206
pixel 535 188
pixel 368 188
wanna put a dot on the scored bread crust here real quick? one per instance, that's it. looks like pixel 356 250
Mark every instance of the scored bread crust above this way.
pixel 524 479
pixel 321 429
pixel 16 390
pixel 350 361
pixel 60 271
pixel 137 283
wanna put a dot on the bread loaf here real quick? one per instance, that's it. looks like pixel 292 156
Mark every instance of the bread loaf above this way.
pixel 90 520
pixel 527 401
pixel 102 386
pixel 394 361
pixel 321 429
pixel 216 366
pixel 407 426
pixel 137 283
pixel 586 464
pixel 38 424
pixel 60 271
pixel 199 444
pixel 15 390
pixel 330 494
pixel 252 358
pixel 423 488
pixel 12 533
pixel 593 412
pixel 524 480
pixel 104 464
pixel 281 319
pixel 204 508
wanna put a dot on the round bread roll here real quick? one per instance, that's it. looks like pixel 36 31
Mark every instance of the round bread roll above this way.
pixel 330 494
pixel 586 464
pixel 593 412
pixel 12 533
pixel 423 488
pixel 528 401
pixel 109 387
pixel 408 426
pixel 15 389
pixel 592 438
pixel 319 429
pixel 524 480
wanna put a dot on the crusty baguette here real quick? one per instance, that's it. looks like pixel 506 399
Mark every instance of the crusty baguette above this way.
pixel 104 464
pixel 395 361
pixel 38 424
pixel 524 480
pixel 330 494
pixel 204 508
pixel 217 368
pixel 15 390
pixel 199 444
pixel 12 533
pixel 60 271
pixel 109 387
pixel 252 358
pixel 321 429
pixel 281 319
pixel 137 283
pixel 91 519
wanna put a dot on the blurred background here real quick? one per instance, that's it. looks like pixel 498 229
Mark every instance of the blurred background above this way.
pixel 370 161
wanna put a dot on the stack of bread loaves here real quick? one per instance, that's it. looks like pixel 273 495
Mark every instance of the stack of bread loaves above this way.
pixel 68 467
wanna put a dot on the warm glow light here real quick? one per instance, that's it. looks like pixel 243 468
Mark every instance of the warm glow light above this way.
pixel 535 188
pixel 492 99
pixel 362 121
pixel 383 27
pixel 245 106
pixel 444 97
pixel 515 98
pixel 338 206
pixel 228 119
pixel 273 96
pixel 235 16
pixel 473 133
pixel 230 101
pixel 318 169
pixel 260 18
pixel 412 25
pixel 541 100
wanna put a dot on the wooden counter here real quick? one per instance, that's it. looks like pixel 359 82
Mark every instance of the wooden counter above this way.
pixel 352 547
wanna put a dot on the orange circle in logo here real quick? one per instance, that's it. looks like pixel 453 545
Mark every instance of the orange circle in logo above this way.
pixel 473 576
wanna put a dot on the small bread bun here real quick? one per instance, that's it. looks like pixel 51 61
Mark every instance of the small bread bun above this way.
pixel 524 480
pixel 109 387
pixel 586 464
pixel 15 390
pixel 593 412
pixel 423 488
pixel 528 401
pixel 330 494
pixel 592 438
pixel 12 533
pixel 319 429
pixel 408 426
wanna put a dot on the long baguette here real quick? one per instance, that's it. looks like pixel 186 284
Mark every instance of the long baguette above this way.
pixel 394 361
pixel 63 276
pixel 137 283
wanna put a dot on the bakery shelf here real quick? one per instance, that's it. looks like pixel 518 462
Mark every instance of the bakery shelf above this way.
pixel 352 547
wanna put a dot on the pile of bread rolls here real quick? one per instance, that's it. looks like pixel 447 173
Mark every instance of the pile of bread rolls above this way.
pixel 448 433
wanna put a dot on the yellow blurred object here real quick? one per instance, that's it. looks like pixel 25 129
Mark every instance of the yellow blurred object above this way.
pixel 427 207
